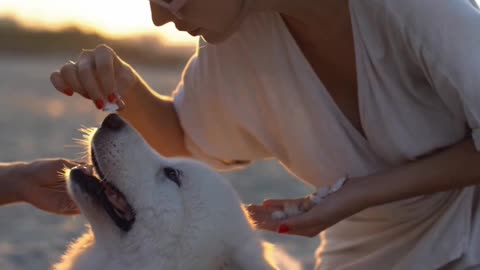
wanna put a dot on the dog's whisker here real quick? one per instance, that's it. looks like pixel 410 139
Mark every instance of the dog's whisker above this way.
pixel 83 159
pixel 72 146
pixel 83 154
pixel 79 140
pixel 83 142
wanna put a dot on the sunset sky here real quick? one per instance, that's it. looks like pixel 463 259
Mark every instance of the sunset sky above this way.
pixel 111 17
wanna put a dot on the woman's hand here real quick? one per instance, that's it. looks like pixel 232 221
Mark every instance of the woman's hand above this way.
pixel 334 208
pixel 99 75
pixel 41 184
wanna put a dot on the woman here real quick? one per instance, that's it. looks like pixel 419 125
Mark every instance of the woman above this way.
pixel 381 91
pixel 39 183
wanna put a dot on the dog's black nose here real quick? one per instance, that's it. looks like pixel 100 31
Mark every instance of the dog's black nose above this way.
pixel 113 122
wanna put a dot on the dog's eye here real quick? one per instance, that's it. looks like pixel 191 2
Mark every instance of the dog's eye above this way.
pixel 173 175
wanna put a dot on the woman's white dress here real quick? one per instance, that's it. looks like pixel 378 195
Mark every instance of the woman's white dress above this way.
pixel 255 96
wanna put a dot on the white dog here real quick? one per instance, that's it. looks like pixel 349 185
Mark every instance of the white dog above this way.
pixel 151 212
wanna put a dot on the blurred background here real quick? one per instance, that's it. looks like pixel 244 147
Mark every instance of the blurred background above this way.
pixel 36 38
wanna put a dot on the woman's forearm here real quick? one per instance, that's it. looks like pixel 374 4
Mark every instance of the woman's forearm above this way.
pixel 9 183
pixel 155 118
pixel 453 168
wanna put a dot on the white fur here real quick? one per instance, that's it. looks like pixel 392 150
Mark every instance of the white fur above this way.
pixel 200 225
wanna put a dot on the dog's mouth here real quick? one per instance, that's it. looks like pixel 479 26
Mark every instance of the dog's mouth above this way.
pixel 92 181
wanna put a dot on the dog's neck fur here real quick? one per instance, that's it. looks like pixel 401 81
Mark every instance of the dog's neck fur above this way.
pixel 155 254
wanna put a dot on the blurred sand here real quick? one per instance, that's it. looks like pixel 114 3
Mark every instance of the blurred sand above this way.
pixel 36 121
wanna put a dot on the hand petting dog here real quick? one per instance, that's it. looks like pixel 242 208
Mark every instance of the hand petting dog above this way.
pixel 39 183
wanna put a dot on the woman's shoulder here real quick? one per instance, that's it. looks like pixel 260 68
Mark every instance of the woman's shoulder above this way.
pixel 406 10
pixel 412 20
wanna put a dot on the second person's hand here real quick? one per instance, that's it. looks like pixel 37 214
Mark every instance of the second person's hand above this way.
pixel 98 74
pixel 41 183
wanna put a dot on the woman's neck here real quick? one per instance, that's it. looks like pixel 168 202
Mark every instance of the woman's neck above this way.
pixel 321 16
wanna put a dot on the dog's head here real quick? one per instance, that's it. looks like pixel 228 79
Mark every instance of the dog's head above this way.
pixel 131 189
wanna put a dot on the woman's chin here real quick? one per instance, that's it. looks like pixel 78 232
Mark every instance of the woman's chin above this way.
pixel 214 38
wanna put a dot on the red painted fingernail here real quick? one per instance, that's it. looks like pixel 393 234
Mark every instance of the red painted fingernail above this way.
pixel 99 103
pixel 112 97
pixel 68 92
pixel 283 229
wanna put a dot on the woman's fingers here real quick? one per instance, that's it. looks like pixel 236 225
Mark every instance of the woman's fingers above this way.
pixel 320 217
pixel 308 224
pixel 86 67
pixel 262 217
pixel 274 203
pixel 300 225
pixel 281 203
pixel 70 76
pixel 60 84
pixel 104 59
pixel 99 75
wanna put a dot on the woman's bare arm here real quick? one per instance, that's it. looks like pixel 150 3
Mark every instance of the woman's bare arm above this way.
pixel 155 117
pixel 9 184
pixel 453 168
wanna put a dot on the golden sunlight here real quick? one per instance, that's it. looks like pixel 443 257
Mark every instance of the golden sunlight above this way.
pixel 117 18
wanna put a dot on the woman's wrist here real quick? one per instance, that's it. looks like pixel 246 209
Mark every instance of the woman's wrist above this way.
pixel 136 99
pixel 135 94
pixel 12 180
pixel 357 194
